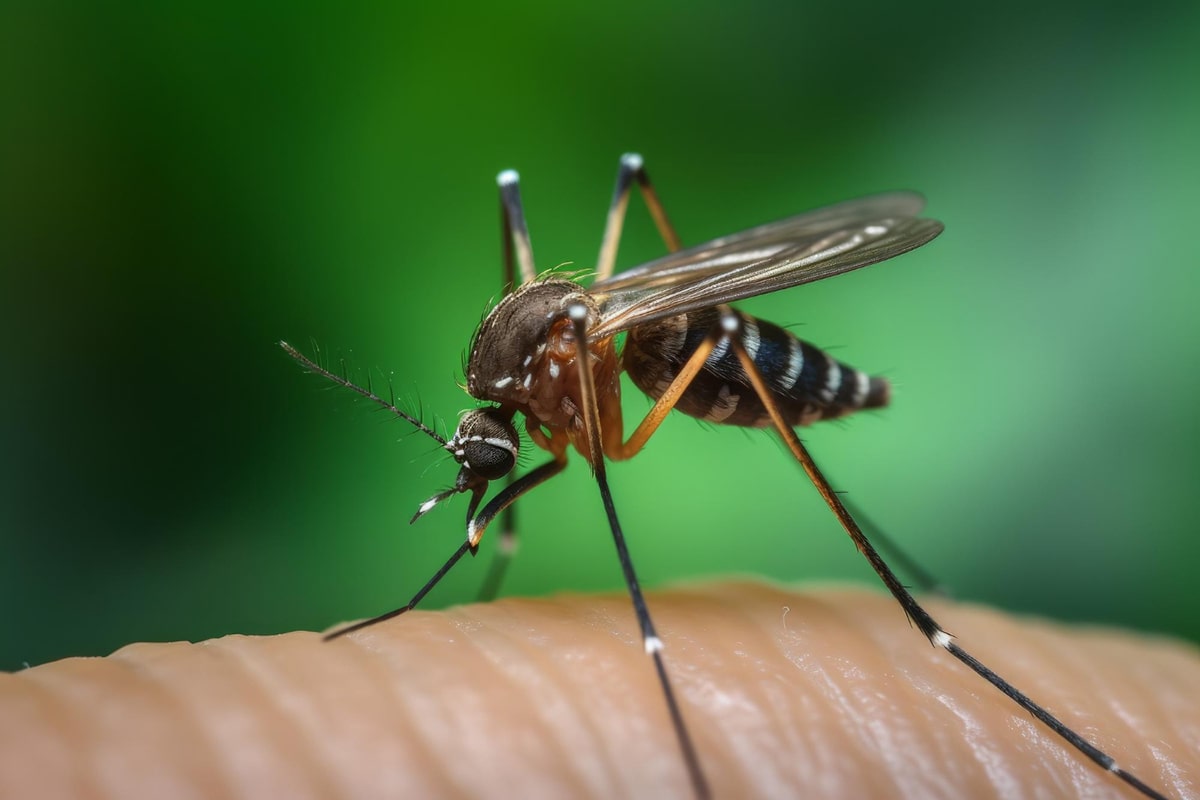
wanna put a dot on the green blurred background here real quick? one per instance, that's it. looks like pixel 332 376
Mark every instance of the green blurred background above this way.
pixel 183 185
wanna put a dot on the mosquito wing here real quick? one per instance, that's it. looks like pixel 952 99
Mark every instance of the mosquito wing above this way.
pixel 800 249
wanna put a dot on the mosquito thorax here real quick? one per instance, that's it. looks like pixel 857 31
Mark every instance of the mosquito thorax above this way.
pixel 486 443
pixel 523 355
pixel 513 337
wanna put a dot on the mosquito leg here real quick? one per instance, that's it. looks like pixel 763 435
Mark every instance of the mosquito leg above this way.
pixel 918 615
pixel 514 235
pixel 631 169
pixel 923 578
pixel 509 495
pixel 462 550
pixel 667 400
pixel 475 528
pixel 516 247
pixel 506 545
pixel 652 643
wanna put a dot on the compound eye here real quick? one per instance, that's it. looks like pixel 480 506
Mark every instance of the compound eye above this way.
pixel 486 443
pixel 487 460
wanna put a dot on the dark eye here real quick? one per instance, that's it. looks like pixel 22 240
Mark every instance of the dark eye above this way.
pixel 487 460
pixel 486 443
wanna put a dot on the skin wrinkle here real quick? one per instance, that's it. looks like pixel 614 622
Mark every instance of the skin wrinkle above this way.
pixel 241 748
pixel 57 763
pixel 603 677
pixel 748 696
pixel 884 701
pixel 817 676
pixel 821 760
pixel 585 674
pixel 416 744
pixel 1075 687
pixel 916 655
pixel 988 758
pixel 642 715
pixel 110 717
pixel 857 681
pixel 274 687
pixel 950 770
pixel 872 702
pixel 537 683
pixel 849 657
pixel 578 673
pixel 282 692
pixel 827 673
pixel 1061 686
pixel 811 741
pixel 1140 694
pixel 280 689
pixel 1087 677
pixel 768 684
pixel 757 739
pixel 641 702
pixel 615 683
pixel 432 686
pixel 1010 742
pixel 878 703
pixel 917 699
pixel 928 714
pixel 571 677
pixel 445 702
pixel 768 642
pixel 1166 674
pixel 1035 746
pixel 113 718
pixel 1154 720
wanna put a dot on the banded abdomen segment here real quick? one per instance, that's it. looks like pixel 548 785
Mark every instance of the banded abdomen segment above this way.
pixel 809 384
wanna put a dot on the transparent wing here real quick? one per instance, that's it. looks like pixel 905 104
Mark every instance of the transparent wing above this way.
pixel 800 249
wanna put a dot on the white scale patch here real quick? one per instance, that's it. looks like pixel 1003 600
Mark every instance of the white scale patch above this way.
pixel 669 337
pixel 726 404
pixel 751 339
pixel 861 382
pixel 795 363
pixel 719 351
pixel 833 379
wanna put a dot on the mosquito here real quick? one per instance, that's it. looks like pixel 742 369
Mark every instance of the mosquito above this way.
pixel 548 354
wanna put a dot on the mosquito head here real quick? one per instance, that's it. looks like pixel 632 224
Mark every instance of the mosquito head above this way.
pixel 486 443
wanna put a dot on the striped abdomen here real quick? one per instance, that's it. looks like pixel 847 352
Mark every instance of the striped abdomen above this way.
pixel 808 384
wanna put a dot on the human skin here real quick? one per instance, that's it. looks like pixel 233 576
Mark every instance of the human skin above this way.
pixel 817 692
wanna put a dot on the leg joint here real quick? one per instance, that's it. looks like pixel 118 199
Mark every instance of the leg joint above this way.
pixel 731 321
